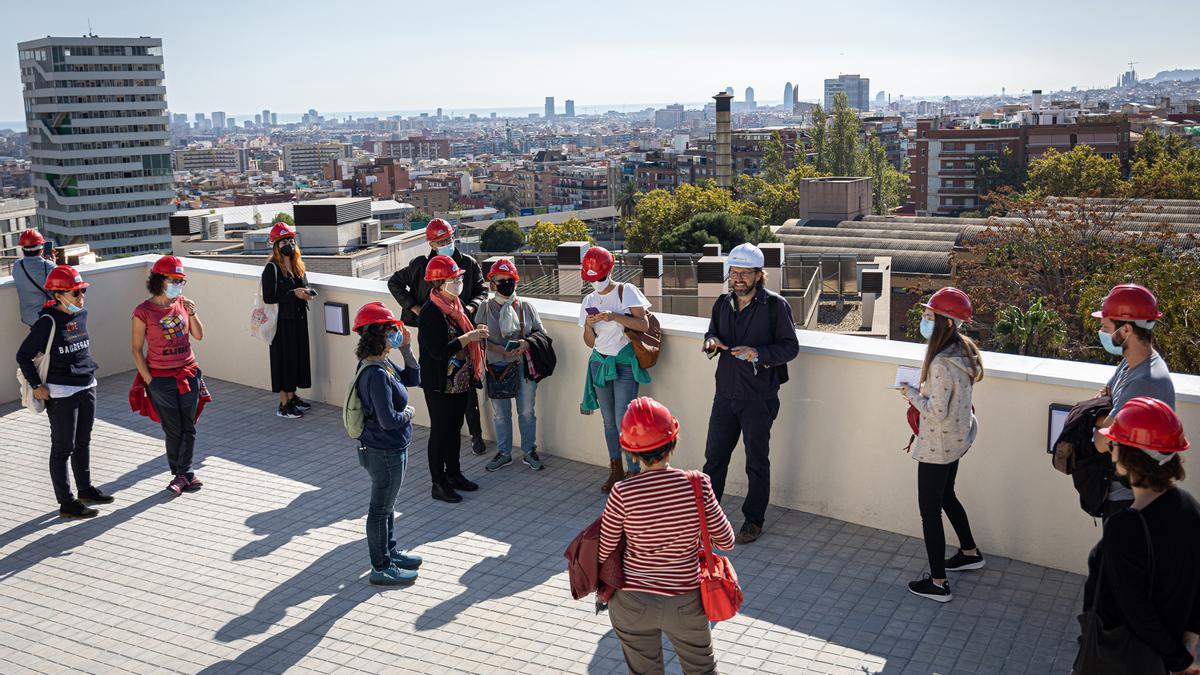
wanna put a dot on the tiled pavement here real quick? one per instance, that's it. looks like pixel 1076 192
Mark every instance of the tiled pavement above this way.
pixel 262 571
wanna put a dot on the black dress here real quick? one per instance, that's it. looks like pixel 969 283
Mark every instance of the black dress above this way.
pixel 290 363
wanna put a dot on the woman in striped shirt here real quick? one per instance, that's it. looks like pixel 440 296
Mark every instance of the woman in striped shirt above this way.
pixel 655 510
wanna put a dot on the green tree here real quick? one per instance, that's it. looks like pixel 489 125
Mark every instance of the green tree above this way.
pixel 774 166
pixel 774 203
pixel 659 212
pixel 721 228
pixel 844 138
pixel 502 236
pixel 627 198
pixel 546 236
pixel 507 201
pixel 1037 331
pixel 995 173
pixel 1165 169
pixel 1078 172
pixel 419 218
pixel 820 138
pixel 282 217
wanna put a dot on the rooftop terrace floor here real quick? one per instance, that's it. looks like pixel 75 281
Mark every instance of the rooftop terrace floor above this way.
pixel 264 569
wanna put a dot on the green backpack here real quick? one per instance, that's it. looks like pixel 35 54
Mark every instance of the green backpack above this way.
pixel 352 412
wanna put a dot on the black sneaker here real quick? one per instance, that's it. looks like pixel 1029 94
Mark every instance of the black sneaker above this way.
pixel 93 495
pixel 460 482
pixel 961 562
pixel 76 509
pixel 288 411
pixel 478 447
pixel 927 589
pixel 300 404
pixel 445 493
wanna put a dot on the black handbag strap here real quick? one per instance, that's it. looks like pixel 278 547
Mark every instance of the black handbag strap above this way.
pixel 41 287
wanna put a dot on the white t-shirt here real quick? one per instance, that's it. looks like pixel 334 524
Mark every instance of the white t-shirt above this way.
pixel 610 335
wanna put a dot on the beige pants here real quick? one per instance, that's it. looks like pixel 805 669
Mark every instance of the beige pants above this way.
pixel 640 619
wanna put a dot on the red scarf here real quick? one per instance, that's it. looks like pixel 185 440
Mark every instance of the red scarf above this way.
pixel 452 309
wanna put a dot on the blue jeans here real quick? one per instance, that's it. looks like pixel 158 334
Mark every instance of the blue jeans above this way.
pixel 177 414
pixel 386 468
pixel 526 419
pixel 614 398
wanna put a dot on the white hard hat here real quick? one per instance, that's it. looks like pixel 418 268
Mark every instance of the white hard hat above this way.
pixel 745 255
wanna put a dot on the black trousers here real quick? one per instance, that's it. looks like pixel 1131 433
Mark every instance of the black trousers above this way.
pixel 446 414
pixel 935 493
pixel 71 422
pixel 473 424
pixel 177 414
pixel 751 420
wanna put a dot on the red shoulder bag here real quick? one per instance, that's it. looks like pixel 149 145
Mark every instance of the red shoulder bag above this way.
pixel 719 589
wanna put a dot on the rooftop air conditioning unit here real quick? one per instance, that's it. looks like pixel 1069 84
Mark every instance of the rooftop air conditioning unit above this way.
pixel 371 232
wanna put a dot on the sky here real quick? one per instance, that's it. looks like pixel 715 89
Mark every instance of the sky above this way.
pixel 241 57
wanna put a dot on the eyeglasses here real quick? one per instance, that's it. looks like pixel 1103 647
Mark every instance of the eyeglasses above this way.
pixel 178 282
pixel 742 275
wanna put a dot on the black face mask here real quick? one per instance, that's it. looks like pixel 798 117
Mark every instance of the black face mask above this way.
pixel 506 287
pixel 287 250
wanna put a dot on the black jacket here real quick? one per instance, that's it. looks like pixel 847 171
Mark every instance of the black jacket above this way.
pixel 71 361
pixel 277 289
pixel 1075 454
pixel 541 352
pixel 410 289
pixel 752 327
pixel 438 340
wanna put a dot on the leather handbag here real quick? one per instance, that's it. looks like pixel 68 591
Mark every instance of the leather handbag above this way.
pixel 502 379
pixel 648 343
pixel 719 589
pixel 1115 651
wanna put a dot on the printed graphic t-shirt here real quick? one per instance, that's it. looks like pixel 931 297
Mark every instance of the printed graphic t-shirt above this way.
pixel 168 345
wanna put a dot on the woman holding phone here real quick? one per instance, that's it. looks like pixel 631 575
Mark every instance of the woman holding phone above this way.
pixel 284 284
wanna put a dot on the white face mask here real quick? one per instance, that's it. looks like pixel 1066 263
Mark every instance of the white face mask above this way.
pixel 454 288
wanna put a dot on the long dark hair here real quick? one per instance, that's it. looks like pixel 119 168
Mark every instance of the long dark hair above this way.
pixel 372 340
pixel 945 335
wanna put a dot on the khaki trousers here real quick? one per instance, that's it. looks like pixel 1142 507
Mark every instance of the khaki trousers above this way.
pixel 640 619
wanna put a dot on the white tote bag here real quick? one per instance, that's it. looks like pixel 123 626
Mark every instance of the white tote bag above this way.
pixel 41 363
pixel 263 316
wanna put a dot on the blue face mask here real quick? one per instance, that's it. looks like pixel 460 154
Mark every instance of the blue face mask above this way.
pixel 1106 341
pixel 448 249
pixel 71 307
pixel 396 339
pixel 926 328
pixel 174 290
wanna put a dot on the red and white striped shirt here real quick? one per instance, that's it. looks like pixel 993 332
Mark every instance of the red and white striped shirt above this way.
pixel 656 511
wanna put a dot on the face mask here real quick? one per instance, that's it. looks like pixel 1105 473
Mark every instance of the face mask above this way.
pixel 174 290
pixel 1106 341
pixel 602 284
pixel 506 287
pixel 287 250
pixel 448 249
pixel 71 307
pixel 926 328
pixel 396 339
pixel 454 288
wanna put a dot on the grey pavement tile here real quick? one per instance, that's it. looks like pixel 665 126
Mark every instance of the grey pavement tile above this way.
pixel 263 570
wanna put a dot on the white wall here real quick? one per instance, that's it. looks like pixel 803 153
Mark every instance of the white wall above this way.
pixel 838 443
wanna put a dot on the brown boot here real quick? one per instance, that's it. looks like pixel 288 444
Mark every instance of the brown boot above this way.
pixel 616 472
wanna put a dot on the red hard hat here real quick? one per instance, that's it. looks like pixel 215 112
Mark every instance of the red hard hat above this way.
pixel 438 229
pixel 950 302
pixel 1149 424
pixel 30 238
pixel 1129 302
pixel 281 230
pixel 375 312
pixel 170 266
pixel 647 425
pixel 503 266
pixel 64 278
pixel 442 267
pixel 597 263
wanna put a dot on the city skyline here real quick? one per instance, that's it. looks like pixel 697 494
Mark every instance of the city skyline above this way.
pixel 278 67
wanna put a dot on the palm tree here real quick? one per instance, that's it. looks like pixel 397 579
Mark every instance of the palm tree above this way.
pixel 506 200
pixel 1038 331
pixel 627 198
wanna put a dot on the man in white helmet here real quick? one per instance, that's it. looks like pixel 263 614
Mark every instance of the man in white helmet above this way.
pixel 752 335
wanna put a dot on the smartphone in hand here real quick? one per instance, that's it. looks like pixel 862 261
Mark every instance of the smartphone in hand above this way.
pixel 592 310
pixel 511 345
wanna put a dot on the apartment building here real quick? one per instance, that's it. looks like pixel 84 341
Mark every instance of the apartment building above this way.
pixel 99 141
pixel 203 159
pixel 748 145
pixel 856 88
pixel 309 159
pixel 427 199
pixel 417 148
pixel 16 215
pixel 381 179
pixel 581 187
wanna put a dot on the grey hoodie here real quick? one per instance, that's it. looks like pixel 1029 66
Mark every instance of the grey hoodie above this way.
pixel 948 427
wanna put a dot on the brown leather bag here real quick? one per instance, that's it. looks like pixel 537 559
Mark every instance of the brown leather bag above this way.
pixel 646 344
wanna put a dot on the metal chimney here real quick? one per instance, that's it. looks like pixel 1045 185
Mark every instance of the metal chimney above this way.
pixel 724 141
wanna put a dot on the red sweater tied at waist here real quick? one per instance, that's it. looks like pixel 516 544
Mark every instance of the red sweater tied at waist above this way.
pixel 139 397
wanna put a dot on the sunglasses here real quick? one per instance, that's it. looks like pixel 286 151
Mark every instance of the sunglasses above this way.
pixel 77 293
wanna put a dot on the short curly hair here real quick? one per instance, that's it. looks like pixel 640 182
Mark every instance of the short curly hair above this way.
pixel 1147 473
pixel 372 340
pixel 156 283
